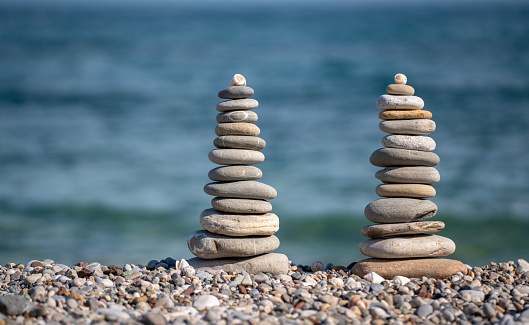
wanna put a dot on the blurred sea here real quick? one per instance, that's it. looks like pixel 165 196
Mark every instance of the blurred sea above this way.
pixel 107 114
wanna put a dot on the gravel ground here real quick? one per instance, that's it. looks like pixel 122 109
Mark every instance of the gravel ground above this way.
pixel 170 292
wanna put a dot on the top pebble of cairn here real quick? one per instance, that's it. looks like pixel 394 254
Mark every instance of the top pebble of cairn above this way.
pixel 237 89
pixel 400 79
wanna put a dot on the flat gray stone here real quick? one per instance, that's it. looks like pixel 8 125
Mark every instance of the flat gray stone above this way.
pixel 410 175
pixel 241 190
pixel 411 246
pixel 207 245
pixel 14 305
pixel 474 294
pixel 246 129
pixel 438 268
pixel 236 92
pixel 390 157
pixel 235 157
pixel 412 142
pixel 239 142
pixel 405 190
pixel 385 102
pixel 238 225
pixel 397 210
pixel 400 89
pixel 406 228
pixel 273 263
pixel 241 205
pixel 237 104
pixel 235 173
pixel 237 117
pixel 415 126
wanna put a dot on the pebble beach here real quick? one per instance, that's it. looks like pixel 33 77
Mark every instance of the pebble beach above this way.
pixel 172 292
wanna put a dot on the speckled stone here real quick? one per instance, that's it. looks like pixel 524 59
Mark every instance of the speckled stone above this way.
pixel 396 210
pixel 386 102
pixel 207 245
pixel 247 129
pixel 237 104
pixel 405 190
pixel 242 190
pixel 412 142
pixel 417 126
pixel 236 92
pixel 400 89
pixel 239 142
pixel 237 117
pixel 233 205
pixel 438 268
pixel 235 173
pixel 411 246
pixel 406 228
pixel 272 263
pixel 390 157
pixel 404 115
pixel 236 157
pixel 410 175
pixel 228 224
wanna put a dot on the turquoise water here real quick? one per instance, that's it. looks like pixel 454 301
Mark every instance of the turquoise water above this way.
pixel 107 115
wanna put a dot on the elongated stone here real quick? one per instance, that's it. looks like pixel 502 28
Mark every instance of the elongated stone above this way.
pixel 229 224
pixel 235 157
pixel 396 210
pixel 404 115
pixel 390 157
pixel 242 190
pixel 237 117
pixel 437 268
pixel 417 126
pixel 207 245
pixel 272 263
pixel 406 228
pixel 239 142
pixel 385 102
pixel 235 173
pixel 412 142
pixel 413 175
pixel 400 89
pixel 241 205
pixel 237 104
pixel 411 246
pixel 405 190
pixel 236 92
pixel 247 129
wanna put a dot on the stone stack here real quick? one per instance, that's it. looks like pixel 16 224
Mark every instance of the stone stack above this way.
pixel 399 243
pixel 239 228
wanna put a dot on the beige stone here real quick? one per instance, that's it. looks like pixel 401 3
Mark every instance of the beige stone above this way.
pixel 241 205
pixel 438 268
pixel 411 246
pixel 405 190
pixel 239 142
pixel 237 104
pixel 273 263
pixel 235 173
pixel 247 129
pixel 236 92
pixel 400 89
pixel 237 117
pixel 416 126
pixel 242 190
pixel 407 228
pixel 404 114
pixel 390 157
pixel 229 224
pixel 235 157
pixel 411 175
pixel 386 102
pixel 412 142
pixel 397 210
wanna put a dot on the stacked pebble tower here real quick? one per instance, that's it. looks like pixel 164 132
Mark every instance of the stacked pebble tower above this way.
pixel 239 229
pixel 399 243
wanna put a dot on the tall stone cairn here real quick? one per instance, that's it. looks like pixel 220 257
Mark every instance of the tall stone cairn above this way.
pixel 399 242
pixel 239 229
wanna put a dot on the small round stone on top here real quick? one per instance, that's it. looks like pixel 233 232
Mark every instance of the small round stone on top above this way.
pixel 400 79
pixel 238 80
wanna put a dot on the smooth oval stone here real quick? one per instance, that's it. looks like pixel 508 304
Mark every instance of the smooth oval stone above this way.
pixel 396 210
pixel 390 157
pixel 408 246
pixel 207 245
pixel 242 190
pixel 437 268
pixel 237 117
pixel 247 129
pixel 237 104
pixel 405 190
pixel 272 263
pixel 400 89
pixel 236 92
pixel 397 229
pixel 235 157
pixel 413 175
pixel 385 102
pixel 239 142
pixel 412 142
pixel 241 205
pixel 235 173
pixel 228 224
pixel 404 115
pixel 417 126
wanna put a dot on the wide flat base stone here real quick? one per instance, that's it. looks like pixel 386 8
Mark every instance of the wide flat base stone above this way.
pixel 273 263
pixel 439 268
